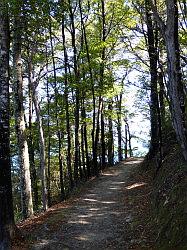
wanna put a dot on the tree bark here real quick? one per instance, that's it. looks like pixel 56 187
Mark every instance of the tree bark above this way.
pixel 129 139
pixel 7 224
pixel 161 99
pixel 110 137
pixel 61 169
pixel 153 60
pixel 77 102
pixel 175 85
pixel 119 127
pixel 92 83
pixel 19 119
pixel 126 141
pixel 42 149
pixel 34 179
pixel 57 117
pixel 68 127
pixel 85 133
pixel 103 144
pixel 49 141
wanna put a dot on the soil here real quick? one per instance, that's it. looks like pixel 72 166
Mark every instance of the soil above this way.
pixel 110 212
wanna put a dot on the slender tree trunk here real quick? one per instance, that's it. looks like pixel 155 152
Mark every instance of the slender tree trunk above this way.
pixel 86 140
pixel 119 129
pixel 83 152
pixel 57 117
pixel 129 139
pixel 7 224
pixel 96 140
pixel 110 139
pixel 92 81
pixel 126 141
pixel 19 120
pixel 101 82
pixel 68 128
pixel 103 144
pixel 60 159
pixel 83 147
pixel 48 146
pixel 77 103
pixel 161 99
pixel 42 148
pixel 153 59
pixel 77 146
pixel 34 179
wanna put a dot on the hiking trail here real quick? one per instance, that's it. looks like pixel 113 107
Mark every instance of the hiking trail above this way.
pixel 107 214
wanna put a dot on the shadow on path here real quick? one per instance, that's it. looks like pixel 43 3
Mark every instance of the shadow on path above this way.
pixel 98 219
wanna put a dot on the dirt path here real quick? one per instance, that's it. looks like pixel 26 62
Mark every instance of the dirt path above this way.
pixel 102 217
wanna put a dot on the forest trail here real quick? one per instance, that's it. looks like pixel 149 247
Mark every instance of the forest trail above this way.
pixel 111 212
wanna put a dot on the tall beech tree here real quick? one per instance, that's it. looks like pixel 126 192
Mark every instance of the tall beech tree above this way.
pixel 66 95
pixel 24 163
pixel 76 76
pixel 7 225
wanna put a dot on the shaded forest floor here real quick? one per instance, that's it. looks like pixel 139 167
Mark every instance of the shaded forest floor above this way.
pixel 109 212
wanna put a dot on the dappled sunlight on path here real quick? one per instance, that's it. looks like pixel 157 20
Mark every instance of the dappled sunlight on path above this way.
pixel 99 218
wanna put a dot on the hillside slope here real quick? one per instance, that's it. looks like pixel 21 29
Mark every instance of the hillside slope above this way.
pixel 169 199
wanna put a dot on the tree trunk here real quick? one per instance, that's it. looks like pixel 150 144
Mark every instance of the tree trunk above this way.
pixel 110 139
pixel 126 141
pixel 161 99
pixel 42 149
pixel 153 59
pixel 175 85
pixel 83 152
pixel 119 129
pixel 7 224
pixel 34 179
pixel 68 128
pixel 57 117
pixel 92 84
pixel 77 103
pixel 128 134
pixel 20 122
pixel 102 69
pixel 60 159
pixel 86 140
pixel 83 143
pixel 48 145
pixel 103 144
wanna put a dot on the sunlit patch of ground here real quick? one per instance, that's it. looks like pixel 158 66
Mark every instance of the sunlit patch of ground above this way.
pixel 135 185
